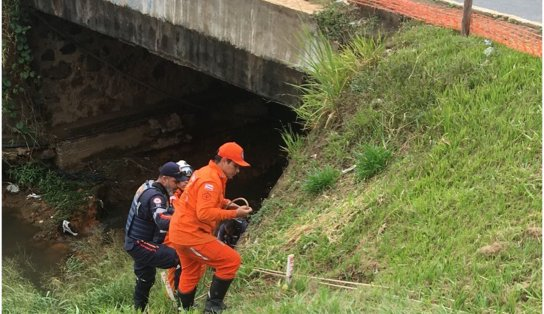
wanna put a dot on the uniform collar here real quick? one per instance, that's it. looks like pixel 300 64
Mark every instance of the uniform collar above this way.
pixel 161 187
pixel 220 172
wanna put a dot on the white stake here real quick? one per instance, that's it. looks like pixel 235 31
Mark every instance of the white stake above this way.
pixel 289 268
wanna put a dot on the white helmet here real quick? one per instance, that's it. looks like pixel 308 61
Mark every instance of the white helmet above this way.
pixel 185 169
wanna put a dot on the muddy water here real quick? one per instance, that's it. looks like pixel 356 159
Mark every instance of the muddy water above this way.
pixel 38 258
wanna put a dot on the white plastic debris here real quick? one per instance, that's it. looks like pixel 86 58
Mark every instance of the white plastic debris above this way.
pixel 13 188
pixel 66 228
pixel 349 169
pixel 488 51
pixel 34 196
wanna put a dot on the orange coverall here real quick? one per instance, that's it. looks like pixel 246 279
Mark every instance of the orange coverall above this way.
pixel 197 213
pixel 171 272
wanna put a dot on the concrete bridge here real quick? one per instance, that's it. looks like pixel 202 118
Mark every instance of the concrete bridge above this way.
pixel 253 44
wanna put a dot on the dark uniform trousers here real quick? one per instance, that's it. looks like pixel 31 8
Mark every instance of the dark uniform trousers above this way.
pixel 147 256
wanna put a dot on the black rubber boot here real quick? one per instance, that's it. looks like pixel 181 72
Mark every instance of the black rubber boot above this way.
pixel 218 290
pixel 141 294
pixel 177 275
pixel 186 300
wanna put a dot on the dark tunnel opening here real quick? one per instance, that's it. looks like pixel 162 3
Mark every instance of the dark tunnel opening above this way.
pixel 134 111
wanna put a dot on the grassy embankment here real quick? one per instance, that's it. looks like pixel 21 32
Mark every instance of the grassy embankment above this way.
pixel 443 211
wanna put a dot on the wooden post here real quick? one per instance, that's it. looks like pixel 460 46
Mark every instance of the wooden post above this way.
pixel 467 12
pixel 289 268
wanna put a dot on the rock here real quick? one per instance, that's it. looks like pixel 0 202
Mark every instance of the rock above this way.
pixel 47 154
pixel 22 151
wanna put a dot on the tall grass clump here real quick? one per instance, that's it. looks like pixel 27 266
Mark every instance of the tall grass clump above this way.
pixel 293 143
pixel 321 179
pixel 328 74
pixel 372 160
pixel 329 71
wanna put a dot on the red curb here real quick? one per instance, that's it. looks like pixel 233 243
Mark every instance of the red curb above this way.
pixel 518 37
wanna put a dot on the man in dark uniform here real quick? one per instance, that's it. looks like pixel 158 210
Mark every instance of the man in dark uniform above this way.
pixel 147 223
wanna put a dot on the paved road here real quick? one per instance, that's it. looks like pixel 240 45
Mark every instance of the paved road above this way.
pixel 527 9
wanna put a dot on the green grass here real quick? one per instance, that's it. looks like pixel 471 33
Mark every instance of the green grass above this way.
pixel 321 179
pixel 371 161
pixel 293 143
pixel 464 133
pixel 64 194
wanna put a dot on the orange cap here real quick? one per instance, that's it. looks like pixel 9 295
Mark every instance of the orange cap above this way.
pixel 234 152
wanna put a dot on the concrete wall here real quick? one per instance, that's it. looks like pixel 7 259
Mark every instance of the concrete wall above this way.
pixel 252 44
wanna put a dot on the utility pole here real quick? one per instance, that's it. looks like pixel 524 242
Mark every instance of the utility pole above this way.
pixel 467 12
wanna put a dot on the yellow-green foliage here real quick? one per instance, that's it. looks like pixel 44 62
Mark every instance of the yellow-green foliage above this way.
pixel 329 72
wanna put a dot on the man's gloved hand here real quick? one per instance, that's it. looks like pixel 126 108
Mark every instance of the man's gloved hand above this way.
pixel 243 211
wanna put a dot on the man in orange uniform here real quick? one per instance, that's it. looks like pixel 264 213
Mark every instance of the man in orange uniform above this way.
pixel 171 279
pixel 198 211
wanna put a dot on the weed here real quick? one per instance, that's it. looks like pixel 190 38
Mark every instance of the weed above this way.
pixel 372 160
pixel 321 179
pixel 335 23
pixel 293 142
pixel 340 23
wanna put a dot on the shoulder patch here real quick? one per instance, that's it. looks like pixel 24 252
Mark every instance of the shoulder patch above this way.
pixel 208 187
pixel 157 200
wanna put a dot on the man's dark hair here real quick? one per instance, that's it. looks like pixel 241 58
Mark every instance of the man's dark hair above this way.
pixel 217 159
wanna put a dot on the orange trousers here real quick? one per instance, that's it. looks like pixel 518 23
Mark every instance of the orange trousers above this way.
pixel 171 277
pixel 195 258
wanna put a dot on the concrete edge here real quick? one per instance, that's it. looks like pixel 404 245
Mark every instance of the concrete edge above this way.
pixel 298 5
pixel 493 12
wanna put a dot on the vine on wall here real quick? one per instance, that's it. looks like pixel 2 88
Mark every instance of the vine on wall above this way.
pixel 19 80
